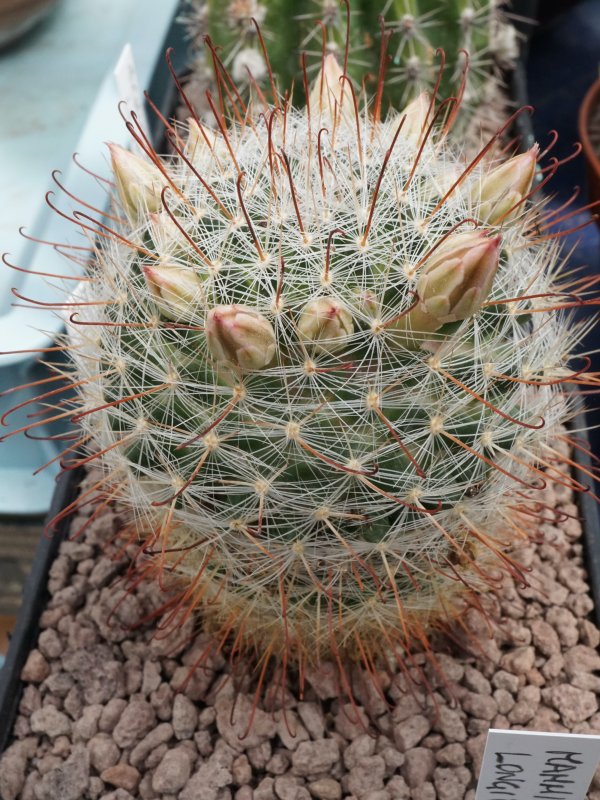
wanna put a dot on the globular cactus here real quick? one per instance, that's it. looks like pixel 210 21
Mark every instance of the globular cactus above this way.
pixel 472 33
pixel 322 361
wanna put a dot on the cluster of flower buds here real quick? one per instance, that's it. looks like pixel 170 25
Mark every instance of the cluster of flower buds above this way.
pixel 452 284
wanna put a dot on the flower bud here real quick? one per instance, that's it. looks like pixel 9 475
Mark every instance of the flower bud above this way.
pixel 454 283
pixel 176 291
pixel 330 96
pixel 325 323
pixel 139 182
pixel 416 113
pixel 505 186
pixel 240 337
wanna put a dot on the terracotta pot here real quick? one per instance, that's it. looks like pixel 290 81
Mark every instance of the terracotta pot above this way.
pixel 589 114
pixel 18 16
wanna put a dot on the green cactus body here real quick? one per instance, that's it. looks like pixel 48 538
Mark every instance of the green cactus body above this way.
pixel 319 378
pixel 324 425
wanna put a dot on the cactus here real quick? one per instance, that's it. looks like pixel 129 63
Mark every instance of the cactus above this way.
pixel 417 29
pixel 420 27
pixel 322 372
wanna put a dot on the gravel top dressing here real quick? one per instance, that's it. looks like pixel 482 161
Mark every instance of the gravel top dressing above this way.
pixel 101 715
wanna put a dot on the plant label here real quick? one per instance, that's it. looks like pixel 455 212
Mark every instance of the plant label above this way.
pixel 128 84
pixel 527 765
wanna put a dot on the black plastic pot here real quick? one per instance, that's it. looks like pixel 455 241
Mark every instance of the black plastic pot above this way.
pixel 589 507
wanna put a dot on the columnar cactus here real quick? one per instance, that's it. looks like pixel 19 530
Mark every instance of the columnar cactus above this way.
pixel 321 360
pixel 473 27
pixel 417 30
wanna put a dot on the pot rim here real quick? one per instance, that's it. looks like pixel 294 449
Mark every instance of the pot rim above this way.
pixel 590 101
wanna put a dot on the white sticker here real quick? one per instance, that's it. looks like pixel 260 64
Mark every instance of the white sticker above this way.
pixel 527 765
pixel 128 85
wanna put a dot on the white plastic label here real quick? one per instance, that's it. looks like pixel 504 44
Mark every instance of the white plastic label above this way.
pixel 128 85
pixel 527 765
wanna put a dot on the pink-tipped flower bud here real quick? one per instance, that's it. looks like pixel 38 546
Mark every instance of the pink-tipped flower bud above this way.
pixel 325 324
pixel 139 182
pixel 177 292
pixel 505 186
pixel 239 336
pixel 454 283
pixel 330 96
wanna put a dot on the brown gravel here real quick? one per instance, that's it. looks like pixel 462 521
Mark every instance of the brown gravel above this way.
pixel 101 716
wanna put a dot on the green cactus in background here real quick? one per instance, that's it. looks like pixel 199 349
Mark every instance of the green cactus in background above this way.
pixel 320 361
pixel 475 27
pixel 231 26
pixel 417 29
pixel 349 31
